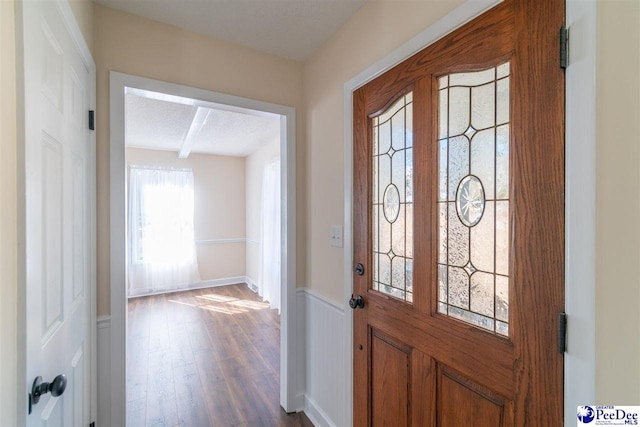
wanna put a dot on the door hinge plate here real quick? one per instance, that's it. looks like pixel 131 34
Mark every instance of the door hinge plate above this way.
pixel 562 332
pixel 564 47
pixel 92 120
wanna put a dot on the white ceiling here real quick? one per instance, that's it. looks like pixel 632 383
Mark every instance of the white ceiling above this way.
pixel 159 122
pixel 292 29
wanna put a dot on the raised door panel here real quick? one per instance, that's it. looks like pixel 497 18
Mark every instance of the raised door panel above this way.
pixel 462 402
pixel 52 281
pixel 390 381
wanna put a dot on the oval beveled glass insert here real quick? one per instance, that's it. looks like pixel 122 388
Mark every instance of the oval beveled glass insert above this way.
pixel 391 202
pixel 470 200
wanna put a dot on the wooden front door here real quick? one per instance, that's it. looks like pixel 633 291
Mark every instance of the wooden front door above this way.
pixel 459 227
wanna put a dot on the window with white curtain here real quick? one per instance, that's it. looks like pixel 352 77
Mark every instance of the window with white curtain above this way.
pixel 162 253
pixel 269 282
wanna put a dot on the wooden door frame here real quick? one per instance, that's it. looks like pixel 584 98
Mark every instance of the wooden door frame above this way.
pixel 21 310
pixel 289 395
pixel 580 208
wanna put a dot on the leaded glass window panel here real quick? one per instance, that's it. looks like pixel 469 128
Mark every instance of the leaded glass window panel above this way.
pixel 392 200
pixel 473 197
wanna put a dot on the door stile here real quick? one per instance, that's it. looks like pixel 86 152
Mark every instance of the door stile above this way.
pixel 539 158
pixel 361 237
pixel 423 390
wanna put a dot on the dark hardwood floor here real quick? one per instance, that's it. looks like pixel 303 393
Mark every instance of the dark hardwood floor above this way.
pixel 208 357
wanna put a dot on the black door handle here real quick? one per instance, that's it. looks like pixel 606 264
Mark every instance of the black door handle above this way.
pixel 359 269
pixel 56 388
pixel 356 302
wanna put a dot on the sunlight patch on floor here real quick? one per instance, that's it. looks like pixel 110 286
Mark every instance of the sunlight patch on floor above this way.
pixel 222 304
pixel 217 298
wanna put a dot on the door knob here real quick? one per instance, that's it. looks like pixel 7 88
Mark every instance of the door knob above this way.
pixel 359 269
pixel 356 302
pixel 56 388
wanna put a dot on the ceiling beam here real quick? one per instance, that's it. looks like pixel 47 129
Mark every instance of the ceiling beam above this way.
pixel 199 119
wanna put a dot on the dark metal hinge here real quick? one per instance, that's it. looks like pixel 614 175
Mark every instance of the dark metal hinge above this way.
pixel 564 47
pixel 92 120
pixel 562 332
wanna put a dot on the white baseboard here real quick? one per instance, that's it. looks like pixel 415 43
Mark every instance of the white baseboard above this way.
pixel 252 284
pixel 219 282
pixel 192 286
pixel 315 413
pixel 103 344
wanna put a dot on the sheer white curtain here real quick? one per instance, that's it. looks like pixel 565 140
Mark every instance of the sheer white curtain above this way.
pixel 162 253
pixel 269 277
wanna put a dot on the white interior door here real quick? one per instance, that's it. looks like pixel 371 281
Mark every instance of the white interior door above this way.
pixel 59 185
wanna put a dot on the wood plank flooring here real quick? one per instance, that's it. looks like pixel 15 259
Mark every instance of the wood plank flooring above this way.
pixel 208 357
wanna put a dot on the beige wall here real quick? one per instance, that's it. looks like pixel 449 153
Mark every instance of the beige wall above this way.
pixel 8 216
pixel 254 166
pixel 138 46
pixel 83 11
pixel 618 204
pixel 219 187
pixel 377 29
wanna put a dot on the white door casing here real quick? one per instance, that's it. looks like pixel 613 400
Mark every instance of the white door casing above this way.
pixel 291 371
pixel 58 84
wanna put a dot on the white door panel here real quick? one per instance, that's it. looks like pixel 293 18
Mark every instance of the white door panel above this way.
pixel 59 175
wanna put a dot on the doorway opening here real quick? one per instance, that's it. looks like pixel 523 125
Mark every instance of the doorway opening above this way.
pixel 212 180
pixel 203 224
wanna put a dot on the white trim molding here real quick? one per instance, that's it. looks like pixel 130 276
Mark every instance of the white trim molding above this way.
pixel 103 322
pixel 119 84
pixel 316 415
pixel 213 283
pixel 311 294
pixel 104 371
pixel 580 208
pixel 251 284
pixel 580 191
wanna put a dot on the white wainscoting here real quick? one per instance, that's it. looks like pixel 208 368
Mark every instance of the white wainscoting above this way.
pixel 104 372
pixel 324 338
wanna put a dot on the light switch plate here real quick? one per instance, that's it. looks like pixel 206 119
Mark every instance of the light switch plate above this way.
pixel 336 236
